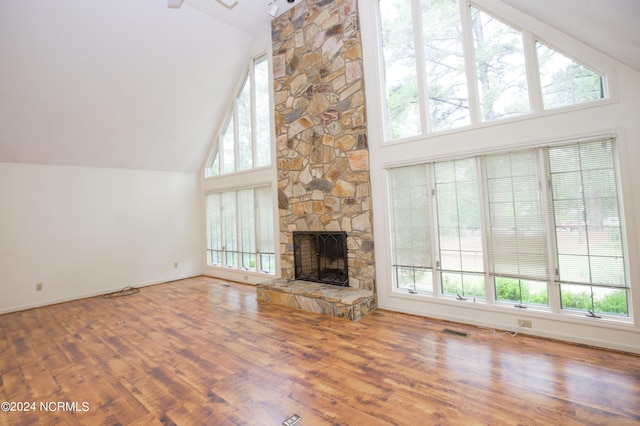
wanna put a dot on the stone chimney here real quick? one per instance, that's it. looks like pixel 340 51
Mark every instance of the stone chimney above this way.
pixel 321 129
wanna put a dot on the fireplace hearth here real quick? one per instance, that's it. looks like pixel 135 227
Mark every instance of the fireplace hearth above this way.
pixel 321 257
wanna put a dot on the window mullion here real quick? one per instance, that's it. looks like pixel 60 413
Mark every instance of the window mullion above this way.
pixel 533 76
pixel 238 248
pixel 435 248
pixel 470 63
pixel 223 240
pixel 490 294
pixel 553 288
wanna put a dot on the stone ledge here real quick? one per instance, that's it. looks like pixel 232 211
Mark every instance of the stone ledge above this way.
pixel 341 302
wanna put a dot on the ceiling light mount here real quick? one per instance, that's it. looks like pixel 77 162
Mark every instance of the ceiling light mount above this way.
pixel 273 10
pixel 229 4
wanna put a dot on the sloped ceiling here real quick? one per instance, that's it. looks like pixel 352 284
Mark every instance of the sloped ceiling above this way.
pixel 610 26
pixel 118 83
pixel 134 84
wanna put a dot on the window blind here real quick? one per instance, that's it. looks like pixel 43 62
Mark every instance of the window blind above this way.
pixel 515 227
pixel 214 229
pixel 458 210
pixel 411 218
pixel 265 234
pixel 587 213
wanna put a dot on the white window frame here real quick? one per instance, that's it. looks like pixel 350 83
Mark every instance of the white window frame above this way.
pixel 553 284
pixel 263 176
pixel 217 154
pixel 530 36
pixel 239 250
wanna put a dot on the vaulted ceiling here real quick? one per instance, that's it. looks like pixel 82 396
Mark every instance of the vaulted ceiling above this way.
pixel 610 26
pixel 133 84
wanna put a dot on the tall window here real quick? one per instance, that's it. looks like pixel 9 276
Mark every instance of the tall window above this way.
pixel 500 67
pixel 411 234
pixel 459 230
pixel 245 140
pixel 447 63
pixel 240 229
pixel 239 218
pixel 586 205
pixel 514 228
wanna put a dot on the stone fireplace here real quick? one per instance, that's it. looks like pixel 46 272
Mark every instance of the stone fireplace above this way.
pixel 321 257
pixel 321 136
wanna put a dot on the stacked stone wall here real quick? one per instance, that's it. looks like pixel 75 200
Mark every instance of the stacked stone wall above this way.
pixel 320 119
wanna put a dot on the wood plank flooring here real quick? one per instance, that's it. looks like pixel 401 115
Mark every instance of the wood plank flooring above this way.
pixel 203 351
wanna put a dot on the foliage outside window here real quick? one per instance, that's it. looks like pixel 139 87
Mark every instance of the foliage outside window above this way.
pixel 514 227
pixel 447 64
pixel 240 229
pixel 245 140
pixel 564 81
pixel 500 67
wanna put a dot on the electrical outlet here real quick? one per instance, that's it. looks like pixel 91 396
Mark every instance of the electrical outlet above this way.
pixel 292 420
pixel 246 277
pixel 39 287
pixel 175 265
pixel 525 323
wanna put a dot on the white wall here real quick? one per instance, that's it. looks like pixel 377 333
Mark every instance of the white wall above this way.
pixel 85 231
pixel 618 116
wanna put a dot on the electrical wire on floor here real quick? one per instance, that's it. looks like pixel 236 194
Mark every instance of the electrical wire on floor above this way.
pixel 475 322
pixel 126 291
pixel 511 333
pixel 491 329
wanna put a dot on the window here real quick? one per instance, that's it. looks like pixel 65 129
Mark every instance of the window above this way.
pixel 245 140
pixel 448 96
pixel 586 203
pixel 410 196
pixel 447 64
pixel 564 81
pixel 513 228
pixel 240 229
pixel 516 228
pixel 500 67
pixel 403 108
pixel 240 217
pixel 461 255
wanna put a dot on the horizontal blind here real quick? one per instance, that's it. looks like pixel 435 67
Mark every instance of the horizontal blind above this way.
pixel 246 228
pixel 230 228
pixel 214 229
pixel 458 210
pixel 264 218
pixel 586 206
pixel 515 226
pixel 411 234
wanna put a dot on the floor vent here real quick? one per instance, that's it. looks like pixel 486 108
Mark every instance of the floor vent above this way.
pixel 455 333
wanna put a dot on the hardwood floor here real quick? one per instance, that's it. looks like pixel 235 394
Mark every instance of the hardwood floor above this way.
pixel 203 351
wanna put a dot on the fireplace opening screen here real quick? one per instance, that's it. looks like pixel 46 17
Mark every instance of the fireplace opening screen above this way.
pixel 321 257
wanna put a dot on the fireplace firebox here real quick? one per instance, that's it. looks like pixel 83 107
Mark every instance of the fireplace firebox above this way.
pixel 321 257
